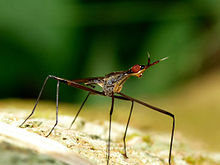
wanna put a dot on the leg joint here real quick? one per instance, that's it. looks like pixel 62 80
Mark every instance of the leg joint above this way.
pixel 51 76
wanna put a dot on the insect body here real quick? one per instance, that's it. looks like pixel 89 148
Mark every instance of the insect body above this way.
pixel 113 82
pixel 112 85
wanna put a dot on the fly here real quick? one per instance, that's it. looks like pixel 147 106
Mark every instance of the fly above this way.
pixel 111 85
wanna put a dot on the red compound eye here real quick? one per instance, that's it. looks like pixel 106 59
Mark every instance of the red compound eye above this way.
pixel 136 68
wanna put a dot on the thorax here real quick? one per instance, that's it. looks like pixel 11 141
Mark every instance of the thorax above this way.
pixel 113 82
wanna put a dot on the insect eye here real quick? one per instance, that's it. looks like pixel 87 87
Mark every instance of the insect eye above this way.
pixel 136 68
pixel 142 66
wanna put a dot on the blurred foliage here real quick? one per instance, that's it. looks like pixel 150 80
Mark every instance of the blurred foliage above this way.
pixel 78 39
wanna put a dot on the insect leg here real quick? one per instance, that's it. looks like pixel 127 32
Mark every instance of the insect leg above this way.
pixel 79 110
pixel 161 111
pixel 57 103
pixel 109 133
pixel 32 112
pixel 125 153
pixel 69 83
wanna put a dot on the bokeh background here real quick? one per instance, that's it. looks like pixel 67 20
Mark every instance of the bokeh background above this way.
pixel 87 38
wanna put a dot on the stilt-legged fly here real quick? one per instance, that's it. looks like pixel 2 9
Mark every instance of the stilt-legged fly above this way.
pixel 112 85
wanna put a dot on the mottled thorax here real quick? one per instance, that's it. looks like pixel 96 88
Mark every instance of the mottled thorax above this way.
pixel 113 82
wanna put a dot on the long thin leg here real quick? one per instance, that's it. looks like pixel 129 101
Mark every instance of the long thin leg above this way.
pixel 109 132
pixel 69 83
pixel 79 110
pixel 161 111
pixel 32 112
pixel 77 85
pixel 125 153
pixel 57 104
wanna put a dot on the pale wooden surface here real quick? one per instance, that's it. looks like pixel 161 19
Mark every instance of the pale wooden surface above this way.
pixel 87 141
pixel 21 137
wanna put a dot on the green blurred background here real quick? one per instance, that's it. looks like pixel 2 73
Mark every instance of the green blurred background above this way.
pixel 87 38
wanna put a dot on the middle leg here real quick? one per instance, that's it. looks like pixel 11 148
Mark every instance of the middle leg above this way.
pixel 80 109
pixel 124 138
pixel 109 133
